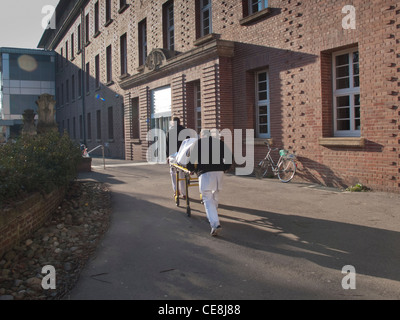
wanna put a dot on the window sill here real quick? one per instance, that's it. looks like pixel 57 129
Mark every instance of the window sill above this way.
pixel 109 83
pixel 205 39
pixel 108 23
pixel 123 8
pixel 140 69
pixel 259 141
pixel 342 142
pixel 87 44
pixel 79 52
pixel 124 76
pixel 255 16
pixel 96 34
pixel 136 141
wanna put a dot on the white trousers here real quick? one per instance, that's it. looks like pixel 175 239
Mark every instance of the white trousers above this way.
pixel 210 183
pixel 182 189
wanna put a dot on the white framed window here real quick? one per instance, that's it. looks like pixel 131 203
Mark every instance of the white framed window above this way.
pixel 161 106
pixel 170 27
pixel 262 105
pixel 142 42
pixel 123 54
pixel 346 93
pixel 257 5
pixel 197 106
pixel 205 17
pixel 161 113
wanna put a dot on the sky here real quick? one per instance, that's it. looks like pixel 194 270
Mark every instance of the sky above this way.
pixel 21 22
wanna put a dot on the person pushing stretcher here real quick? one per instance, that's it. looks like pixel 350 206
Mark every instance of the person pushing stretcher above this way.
pixel 210 158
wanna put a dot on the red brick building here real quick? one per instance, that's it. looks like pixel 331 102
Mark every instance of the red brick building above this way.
pixel 320 78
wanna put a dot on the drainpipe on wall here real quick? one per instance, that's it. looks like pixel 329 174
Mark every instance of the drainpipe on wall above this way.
pixel 83 75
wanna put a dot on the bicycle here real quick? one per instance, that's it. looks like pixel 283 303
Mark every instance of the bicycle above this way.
pixel 285 168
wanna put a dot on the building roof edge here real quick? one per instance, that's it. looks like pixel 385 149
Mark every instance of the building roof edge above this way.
pixel 51 37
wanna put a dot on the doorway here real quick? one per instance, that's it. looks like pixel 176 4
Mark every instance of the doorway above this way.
pixel 161 114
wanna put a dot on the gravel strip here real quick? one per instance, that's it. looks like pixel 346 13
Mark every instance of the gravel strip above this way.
pixel 66 242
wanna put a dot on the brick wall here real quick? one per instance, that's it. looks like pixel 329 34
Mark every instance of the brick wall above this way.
pixel 17 223
pixel 296 46
pixel 295 43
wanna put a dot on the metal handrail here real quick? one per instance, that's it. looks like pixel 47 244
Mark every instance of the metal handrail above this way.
pixel 96 148
pixel 102 149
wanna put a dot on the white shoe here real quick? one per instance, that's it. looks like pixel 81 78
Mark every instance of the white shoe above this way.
pixel 215 231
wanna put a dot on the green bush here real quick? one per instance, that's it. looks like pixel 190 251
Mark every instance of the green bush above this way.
pixel 358 188
pixel 37 164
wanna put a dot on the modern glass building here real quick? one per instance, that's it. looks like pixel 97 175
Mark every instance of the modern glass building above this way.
pixel 25 74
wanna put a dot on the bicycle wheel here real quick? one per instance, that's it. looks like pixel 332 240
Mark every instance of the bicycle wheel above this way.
pixel 286 170
pixel 261 170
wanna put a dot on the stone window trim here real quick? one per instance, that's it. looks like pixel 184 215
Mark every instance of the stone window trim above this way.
pixel 124 76
pixel 123 8
pixel 342 142
pixel 255 17
pixel 207 38
pixel 96 34
pixel 108 22
pixel 259 141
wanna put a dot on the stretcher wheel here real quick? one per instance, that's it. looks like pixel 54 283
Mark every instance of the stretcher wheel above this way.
pixel 188 211
pixel 177 201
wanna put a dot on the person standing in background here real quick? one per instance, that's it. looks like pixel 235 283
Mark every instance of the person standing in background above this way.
pixel 173 145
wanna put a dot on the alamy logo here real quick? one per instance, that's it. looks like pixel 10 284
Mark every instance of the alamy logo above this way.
pixel 349 280
pixel 49 20
pixel 49 280
pixel 233 141
pixel 349 21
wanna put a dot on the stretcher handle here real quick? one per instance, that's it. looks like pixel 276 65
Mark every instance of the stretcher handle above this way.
pixel 180 168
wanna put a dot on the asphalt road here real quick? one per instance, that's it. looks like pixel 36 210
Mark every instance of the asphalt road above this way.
pixel 279 241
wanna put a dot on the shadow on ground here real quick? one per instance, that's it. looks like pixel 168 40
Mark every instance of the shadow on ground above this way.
pixel 331 244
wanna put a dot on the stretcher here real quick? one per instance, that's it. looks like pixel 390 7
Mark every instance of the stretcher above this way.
pixel 190 181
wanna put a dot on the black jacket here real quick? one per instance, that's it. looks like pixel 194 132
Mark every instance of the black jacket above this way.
pixel 199 165
pixel 171 149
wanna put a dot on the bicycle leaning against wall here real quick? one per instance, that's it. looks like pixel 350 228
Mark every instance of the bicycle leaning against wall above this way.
pixel 285 168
